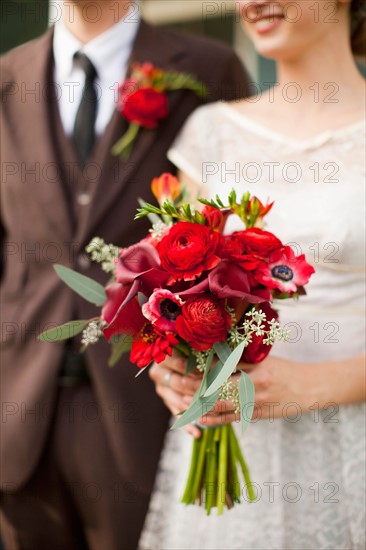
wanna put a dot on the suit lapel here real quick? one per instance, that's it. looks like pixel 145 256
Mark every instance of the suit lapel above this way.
pixel 41 147
pixel 116 172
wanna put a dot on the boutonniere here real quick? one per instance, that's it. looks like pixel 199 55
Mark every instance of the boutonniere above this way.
pixel 143 100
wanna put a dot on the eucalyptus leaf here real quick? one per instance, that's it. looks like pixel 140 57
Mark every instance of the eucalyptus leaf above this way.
pixel 214 373
pixel 88 289
pixel 227 369
pixel 223 351
pixel 63 332
pixel 191 365
pixel 246 396
pixel 123 345
pixel 204 384
pixel 198 408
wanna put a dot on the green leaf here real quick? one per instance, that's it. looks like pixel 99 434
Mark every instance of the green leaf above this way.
pixel 223 351
pixel 87 288
pixel 219 202
pixel 203 386
pixel 63 332
pixel 227 369
pixel 192 362
pixel 246 396
pixel 214 372
pixel 154 218
pixel 123 345
pixel 148 209
pixel 197 409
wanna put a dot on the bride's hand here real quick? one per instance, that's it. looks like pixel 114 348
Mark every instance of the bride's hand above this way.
pixel 175 387
pixel 283 388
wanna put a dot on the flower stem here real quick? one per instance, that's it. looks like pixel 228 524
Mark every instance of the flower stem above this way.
pixel 123 147
pixel 187 497
pixel 222 473
pixel 233 459
pixel 211 467
pixel 244 467
pixel 196 489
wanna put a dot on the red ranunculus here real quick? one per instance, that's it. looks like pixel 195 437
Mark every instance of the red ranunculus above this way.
pixel 203 322
pixel 151 346
pixel 251 242
pixel 146 107
pixel 188 250
pixel 256 351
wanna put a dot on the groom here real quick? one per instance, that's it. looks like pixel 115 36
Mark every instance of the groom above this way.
pixel 80 441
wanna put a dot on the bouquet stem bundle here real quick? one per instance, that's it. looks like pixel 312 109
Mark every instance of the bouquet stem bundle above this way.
pixel 213 479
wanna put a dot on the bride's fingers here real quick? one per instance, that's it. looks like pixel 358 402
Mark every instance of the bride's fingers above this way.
pixel 185 385
pixel 209 421
pixel 172 399
pixel 193 430
pixel 176 362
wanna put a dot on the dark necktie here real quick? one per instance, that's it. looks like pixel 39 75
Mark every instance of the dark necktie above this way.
pixel 84 128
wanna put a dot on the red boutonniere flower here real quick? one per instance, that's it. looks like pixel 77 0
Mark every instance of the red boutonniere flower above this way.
pixel 143 100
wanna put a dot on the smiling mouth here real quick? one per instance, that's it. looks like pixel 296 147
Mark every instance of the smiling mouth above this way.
pixel 268 23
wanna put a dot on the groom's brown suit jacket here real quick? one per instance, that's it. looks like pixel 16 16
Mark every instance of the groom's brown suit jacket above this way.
pixel 43 222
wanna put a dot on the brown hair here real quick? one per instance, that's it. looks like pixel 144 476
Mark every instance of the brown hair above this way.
pixel 358 27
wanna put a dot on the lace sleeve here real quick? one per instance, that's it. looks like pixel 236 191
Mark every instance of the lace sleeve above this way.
pixel 195 144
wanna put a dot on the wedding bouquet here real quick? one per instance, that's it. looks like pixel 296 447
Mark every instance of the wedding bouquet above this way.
pixel 189 286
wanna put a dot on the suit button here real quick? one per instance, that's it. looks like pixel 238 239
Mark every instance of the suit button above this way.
pixel 83 262
pixel 84 199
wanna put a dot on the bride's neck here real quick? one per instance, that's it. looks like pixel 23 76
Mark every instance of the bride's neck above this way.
pixel 326 74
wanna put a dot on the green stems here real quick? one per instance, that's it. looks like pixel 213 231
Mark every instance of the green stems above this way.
pixel 244 468
pixel 222 474
pixel 123 147
pixel 213 478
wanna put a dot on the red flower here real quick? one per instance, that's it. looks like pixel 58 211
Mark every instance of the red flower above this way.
pixel 162 309
pixel 139 268
pixel 229 280
pixel 121 320
pixel 203 322
pixel 256 207
pixel 286 272
pixel 214 217
pixel 188 250
pixel 256 351
pixel 250 242
pixel 151 346
pixel 145 107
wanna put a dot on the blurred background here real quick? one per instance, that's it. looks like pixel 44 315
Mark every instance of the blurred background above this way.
pixel 22 20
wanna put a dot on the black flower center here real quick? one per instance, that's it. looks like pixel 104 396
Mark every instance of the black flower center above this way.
pixel 148 334
pixel 283 272
pixel 169 309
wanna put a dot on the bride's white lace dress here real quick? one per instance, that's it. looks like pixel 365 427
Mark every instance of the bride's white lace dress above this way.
pixel 309 468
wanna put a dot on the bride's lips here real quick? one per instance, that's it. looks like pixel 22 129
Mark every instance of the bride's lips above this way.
pixel 267 24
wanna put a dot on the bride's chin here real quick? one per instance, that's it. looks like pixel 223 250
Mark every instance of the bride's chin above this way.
pixel 275 50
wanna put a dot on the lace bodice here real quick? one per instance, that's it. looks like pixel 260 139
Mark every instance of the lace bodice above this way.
pixel 310 471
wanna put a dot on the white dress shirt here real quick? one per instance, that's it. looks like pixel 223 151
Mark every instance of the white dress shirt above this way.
pixel 109 52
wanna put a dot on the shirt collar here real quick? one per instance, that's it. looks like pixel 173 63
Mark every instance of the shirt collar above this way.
pixel 113 44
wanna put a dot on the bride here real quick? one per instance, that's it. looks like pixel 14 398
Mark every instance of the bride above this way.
pixel 301 144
